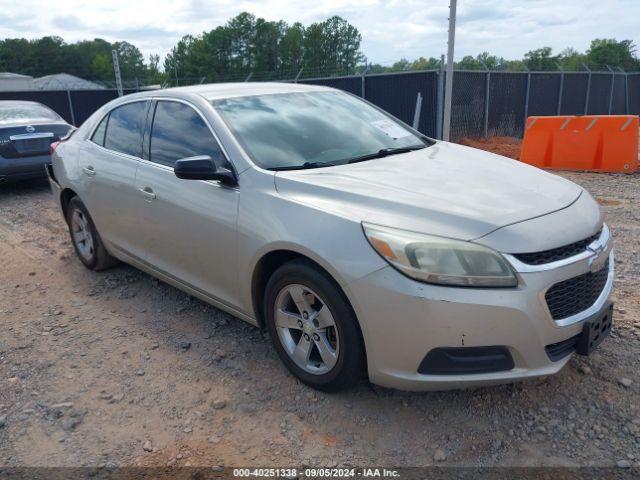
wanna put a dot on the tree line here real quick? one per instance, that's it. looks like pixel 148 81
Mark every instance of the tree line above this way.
pixel 244 44
pixel 271 49
pixel 602 52
pixel 89 59
pixel 249 44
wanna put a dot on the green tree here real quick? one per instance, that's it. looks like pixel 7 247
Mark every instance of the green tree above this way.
pixel 242 33
pixel 609 51
pixel 130 59
pixel 266 45
pixel 102 67
pixel 47 55
pixel 342 43
pixel 176 63
pixel 401 65
pixel 90 59
pixel 572 60
pixel 468 63
pixel 292 47
pixel 153 70
pixel 425 64
pixel 16 55
pixel 541 59
pixel 377 68
pixel 83 57
pixel 332 45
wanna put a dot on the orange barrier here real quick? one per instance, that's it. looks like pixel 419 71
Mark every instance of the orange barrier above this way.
pixel 601 143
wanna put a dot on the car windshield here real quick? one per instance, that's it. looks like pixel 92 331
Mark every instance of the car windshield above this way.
pixel 14 112
pixel 313 129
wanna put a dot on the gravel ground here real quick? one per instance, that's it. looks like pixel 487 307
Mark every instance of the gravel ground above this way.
pixel 117 368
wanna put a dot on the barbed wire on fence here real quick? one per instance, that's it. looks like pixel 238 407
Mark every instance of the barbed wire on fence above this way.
pixel 170 79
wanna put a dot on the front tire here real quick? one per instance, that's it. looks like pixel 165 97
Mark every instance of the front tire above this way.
pixel 85 238
pixel 313 327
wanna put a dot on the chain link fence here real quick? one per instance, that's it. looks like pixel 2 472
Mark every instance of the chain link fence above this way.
pixel 506 110
pixel 351 84
pixel 633 92
pixel 484 103
pixel 575 94
pixel 468 102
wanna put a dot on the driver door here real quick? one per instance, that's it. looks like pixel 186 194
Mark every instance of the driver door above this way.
pixel 189 225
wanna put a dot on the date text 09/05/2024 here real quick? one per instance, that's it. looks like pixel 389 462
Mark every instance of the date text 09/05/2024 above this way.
pixel 315 472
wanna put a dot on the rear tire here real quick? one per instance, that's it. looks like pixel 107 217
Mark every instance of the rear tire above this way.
pixel 313 327
pixel 85 238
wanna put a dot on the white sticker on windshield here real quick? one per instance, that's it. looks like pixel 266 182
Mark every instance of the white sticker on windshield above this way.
pixel 392 129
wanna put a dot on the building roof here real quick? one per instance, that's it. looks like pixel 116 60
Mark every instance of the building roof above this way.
pixel 13 76
pixel 64 81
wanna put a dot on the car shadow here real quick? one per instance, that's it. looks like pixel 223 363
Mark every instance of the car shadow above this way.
pixel 25 187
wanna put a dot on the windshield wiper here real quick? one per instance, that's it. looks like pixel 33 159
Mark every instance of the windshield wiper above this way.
pixel 385 152
pixel 305 165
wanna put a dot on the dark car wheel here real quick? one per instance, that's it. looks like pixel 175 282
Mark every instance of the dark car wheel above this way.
pixel 313 327
pixel 85 238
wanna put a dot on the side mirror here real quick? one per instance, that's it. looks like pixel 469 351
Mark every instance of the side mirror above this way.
pixel 202 167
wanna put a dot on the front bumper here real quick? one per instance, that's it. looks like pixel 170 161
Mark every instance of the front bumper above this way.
pixel 402 320
pixel 23 168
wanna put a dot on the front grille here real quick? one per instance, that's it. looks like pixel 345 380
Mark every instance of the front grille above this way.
pixel 576 294
pixel 555 254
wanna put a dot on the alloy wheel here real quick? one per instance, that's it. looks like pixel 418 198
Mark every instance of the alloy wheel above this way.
pixel 306 329
pixel 81 233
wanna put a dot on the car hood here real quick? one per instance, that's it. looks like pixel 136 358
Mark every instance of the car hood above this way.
pixel 446 189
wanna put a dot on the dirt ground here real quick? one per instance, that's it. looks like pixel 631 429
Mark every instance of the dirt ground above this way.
pixel 116 368
pixel 506 146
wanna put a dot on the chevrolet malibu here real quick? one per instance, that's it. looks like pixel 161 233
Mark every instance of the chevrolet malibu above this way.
pixel 362 246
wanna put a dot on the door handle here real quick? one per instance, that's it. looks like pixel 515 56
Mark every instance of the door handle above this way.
pixel 89 171
pixel 148 193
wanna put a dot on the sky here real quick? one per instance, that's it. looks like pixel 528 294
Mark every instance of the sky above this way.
pixel 390 29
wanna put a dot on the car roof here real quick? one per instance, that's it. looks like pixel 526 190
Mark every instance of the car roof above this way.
pixel 216 91
pixel 18 103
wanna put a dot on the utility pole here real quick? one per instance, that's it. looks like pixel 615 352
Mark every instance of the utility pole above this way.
pixel 448 91
pixel 440 96
pixel 116 71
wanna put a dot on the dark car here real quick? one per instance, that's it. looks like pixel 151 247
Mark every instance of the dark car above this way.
pixel 27 130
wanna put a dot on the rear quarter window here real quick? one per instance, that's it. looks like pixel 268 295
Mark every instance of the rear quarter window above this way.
pixel 98 134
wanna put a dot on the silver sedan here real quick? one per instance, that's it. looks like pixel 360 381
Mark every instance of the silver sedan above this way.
pixel 366 249
pixel 27 130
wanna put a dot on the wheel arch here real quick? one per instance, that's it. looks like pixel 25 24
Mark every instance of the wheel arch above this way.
pixel 270 261
pixel 65 197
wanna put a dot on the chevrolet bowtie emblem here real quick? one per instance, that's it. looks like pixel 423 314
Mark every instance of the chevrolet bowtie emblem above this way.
pixel 596 262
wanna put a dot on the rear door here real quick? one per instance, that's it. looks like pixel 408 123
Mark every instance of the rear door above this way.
pixel 190 225
pixel 108 162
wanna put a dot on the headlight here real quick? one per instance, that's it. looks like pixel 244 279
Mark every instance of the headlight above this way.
pixel 440 260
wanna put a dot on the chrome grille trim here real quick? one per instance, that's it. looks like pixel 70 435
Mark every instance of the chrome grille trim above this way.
pixel 593 249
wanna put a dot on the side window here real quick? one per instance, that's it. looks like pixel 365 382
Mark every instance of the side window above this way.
pixel 98 133
pixel 124 131
pixel 179 132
